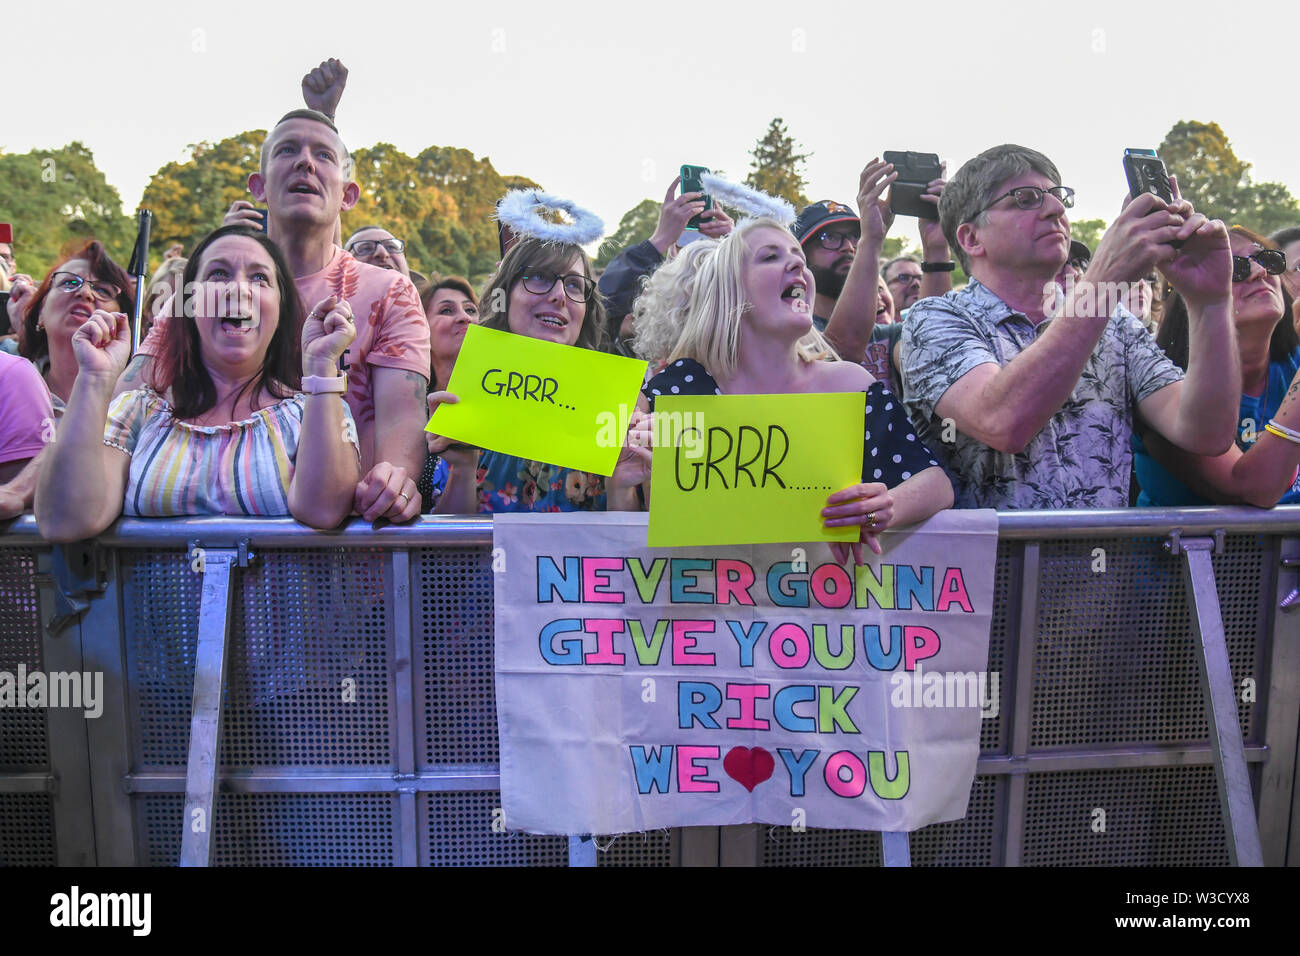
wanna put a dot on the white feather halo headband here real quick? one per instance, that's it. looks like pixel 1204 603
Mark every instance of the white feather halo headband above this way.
pixel 747 199
pixel 520 208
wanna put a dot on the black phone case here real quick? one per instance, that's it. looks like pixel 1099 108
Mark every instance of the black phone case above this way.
pixel 915 171
pixel 691 184
pixel 1147 174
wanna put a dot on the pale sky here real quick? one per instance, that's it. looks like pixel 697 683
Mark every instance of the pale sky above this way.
pixel 601 102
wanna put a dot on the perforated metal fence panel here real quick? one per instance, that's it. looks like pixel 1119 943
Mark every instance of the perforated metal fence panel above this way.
pixel 23 742
pixel 1150 816
pixel 278 829
pixel 26 830
pixel 1116 659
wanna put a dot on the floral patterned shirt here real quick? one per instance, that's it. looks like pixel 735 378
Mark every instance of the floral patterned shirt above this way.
pixel 507 483
pixel 1082 458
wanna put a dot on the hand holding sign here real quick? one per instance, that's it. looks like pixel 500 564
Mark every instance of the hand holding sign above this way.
pixel 869 505
pixel 455 454
pixel 539 401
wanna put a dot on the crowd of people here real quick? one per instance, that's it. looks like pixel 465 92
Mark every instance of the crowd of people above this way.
pixel 286 371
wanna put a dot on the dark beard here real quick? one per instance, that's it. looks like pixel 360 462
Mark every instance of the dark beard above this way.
pixel 829 281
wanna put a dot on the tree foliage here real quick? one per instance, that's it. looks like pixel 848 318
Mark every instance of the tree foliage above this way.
pixel 1219 184
pixel 440 202
pixel 1088 231
pixel 637 225
pixel 777 167
pixel 54 197
pixel 189 198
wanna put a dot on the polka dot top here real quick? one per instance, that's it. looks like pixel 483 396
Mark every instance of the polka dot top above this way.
pixel 891 452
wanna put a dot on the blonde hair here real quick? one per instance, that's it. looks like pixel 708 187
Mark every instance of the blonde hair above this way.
pixel 702 294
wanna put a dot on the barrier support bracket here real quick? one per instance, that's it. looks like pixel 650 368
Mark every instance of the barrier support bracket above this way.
pixel 1235 800
pixel 895 849
pixel 209 681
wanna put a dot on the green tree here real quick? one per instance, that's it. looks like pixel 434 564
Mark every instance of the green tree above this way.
pixel 1219 184
pixel 637 224
pixel 190 198
pixel 54 197
pixel 777 166
pixel 1088 231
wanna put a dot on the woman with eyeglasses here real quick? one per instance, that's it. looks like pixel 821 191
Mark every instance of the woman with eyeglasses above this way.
pixel 547 291
pixel 1261 469
pixel 83 281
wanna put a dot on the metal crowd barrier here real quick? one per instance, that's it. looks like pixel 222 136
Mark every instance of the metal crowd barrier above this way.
pixel 357 706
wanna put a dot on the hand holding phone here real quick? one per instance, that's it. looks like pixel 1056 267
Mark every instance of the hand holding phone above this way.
pixel 691 184
pixel 1146 173
pixel 915 173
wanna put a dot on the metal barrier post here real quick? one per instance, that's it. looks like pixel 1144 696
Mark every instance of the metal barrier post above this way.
pixel 895 849
pixel 582 851
pixel 1235 799
pixel 209 682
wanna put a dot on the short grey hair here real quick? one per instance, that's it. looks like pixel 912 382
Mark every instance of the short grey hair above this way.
pixel 345 161
pixel 884 270
pixel 968 194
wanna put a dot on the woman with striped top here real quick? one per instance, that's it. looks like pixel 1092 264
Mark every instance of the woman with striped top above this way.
pixel 222 423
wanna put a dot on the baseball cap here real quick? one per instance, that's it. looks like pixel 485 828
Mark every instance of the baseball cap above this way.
pixel 821 214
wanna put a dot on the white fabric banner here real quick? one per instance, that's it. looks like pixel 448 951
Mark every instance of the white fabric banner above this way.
pixel 640 688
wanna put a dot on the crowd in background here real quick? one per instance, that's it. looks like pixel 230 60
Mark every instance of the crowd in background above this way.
pixel 287 370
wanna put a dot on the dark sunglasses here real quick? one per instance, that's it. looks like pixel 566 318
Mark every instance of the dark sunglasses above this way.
pixel 1272 261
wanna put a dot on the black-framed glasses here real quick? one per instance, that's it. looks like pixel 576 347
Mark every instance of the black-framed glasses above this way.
pixel 1272 261
pixel 367 247
pixel 831 241
pixel 907 277
pixel 1031 197
pixel 577 287
pixel 72 283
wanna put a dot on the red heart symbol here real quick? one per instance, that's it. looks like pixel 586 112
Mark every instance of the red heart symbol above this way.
pixel 748 767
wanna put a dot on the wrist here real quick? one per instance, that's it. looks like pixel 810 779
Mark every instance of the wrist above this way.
pixel 662 242
pixel 935 251
pixel 321 368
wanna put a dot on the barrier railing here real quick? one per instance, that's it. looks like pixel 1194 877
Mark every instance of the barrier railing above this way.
pixel 358 711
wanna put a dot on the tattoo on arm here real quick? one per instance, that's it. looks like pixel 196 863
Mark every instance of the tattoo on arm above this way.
pixel 133 370
pixel 420 383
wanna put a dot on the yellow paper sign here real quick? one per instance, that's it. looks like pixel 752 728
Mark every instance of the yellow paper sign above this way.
pixel 537 400
pixel 752 469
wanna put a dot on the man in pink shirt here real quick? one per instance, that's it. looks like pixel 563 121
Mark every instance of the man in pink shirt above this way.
pixel 26 426
pixel 305 181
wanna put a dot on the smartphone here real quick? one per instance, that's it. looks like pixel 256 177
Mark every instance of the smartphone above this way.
pixel 262 218
pixel 1147 174
pixel 915 173
pixel 6 233
pixel 4 314
pixel 691 184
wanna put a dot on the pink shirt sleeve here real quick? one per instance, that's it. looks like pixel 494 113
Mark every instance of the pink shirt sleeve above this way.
pixel 401 330
pixel 26 416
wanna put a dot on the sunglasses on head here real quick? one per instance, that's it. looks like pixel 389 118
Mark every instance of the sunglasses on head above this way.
pixel 1272 261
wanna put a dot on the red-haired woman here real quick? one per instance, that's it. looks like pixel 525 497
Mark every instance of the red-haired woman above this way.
pixel 82 281
pixel 220 429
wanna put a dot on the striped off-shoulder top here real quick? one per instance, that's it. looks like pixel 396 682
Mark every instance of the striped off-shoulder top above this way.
pixel 243 468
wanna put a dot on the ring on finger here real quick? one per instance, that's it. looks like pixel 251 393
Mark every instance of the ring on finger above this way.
pixel 405 497
pixel 871 520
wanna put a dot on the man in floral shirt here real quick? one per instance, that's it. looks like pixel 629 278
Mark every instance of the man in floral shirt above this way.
pixel 1027 393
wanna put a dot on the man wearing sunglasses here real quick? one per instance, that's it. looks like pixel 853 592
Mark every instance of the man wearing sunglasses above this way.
pixel 1036 412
